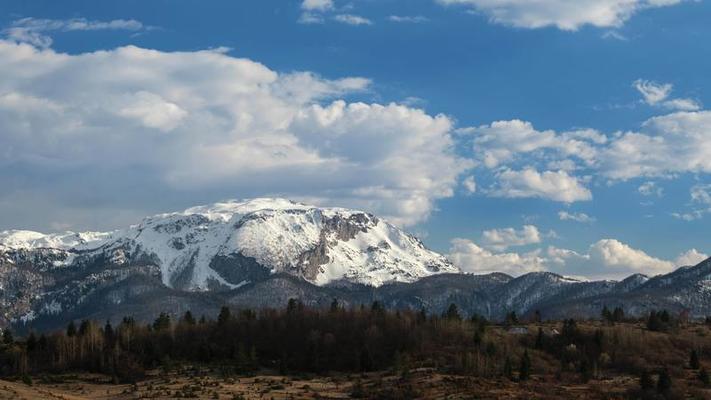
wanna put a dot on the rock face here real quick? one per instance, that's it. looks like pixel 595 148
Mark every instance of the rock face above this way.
pixel 214 248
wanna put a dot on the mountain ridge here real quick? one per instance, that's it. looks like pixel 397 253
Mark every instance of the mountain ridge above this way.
pixel 262 252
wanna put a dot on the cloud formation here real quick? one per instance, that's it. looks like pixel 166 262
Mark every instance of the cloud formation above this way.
pixel 37 31
pixel 604 259
pixel 206 122
pixel 502 239
pixel 552 185
pixel 351 19
pixel 656 94
pixel 576 217
pixel 563 14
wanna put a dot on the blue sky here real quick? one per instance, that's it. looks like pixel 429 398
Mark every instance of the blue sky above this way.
pixel 580 125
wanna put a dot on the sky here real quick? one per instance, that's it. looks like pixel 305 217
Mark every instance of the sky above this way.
pixel 513 136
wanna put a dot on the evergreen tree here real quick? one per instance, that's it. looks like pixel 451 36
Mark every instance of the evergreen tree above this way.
pixel 188 318
pixel 664 383
pixel 524 371
pixel 452 313
pixel 539 338
pixel 694 360
pixel 508 369
pixel 334 306
pixel 71 329
pixel 704 376
pixel 511 318
pixel 224 317
pixel 646 382
pixel 84 327
pixel 606 314
pixel 162 322
pixel 7 337
pixel 31 342
pixel 618 315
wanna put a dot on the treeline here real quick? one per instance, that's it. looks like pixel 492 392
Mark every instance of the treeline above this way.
pixel 294 339
pixel 299 339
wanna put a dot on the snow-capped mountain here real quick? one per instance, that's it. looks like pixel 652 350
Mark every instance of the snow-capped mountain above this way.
pixel 227 245
pixel 263 252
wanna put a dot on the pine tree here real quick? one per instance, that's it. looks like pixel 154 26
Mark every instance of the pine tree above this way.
pixel 646 382
pixel 188 318
pixel 7 337
pixel 694 360
pixel 524 371
pixel 618 315
pixel 71 329
pixel 334 306
pixel 452 313
pixel 539 339
pixel 606 314
pixel 224 317
pixel 664 383
pixel 704 376
pixel 508 369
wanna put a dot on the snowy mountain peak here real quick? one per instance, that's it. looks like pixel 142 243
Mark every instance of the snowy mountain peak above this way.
pixel 229 244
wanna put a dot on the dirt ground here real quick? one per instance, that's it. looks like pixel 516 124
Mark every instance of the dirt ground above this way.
pixel 419 384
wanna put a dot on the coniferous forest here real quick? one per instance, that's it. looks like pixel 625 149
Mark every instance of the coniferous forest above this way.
pixel 666 356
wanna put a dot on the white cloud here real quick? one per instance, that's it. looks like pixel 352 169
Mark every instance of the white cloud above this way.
pixel 656 94
pixel 469 184
pixel 417 19
pixel 351 19
pixel 701 194
pixel 674 143
pixel 501 239
pixel 475 260
pixel 650 188
pixel 35 31
pixel 690 258
pixel 207 124
pixel 501 141
pixel 700 201
pixel 317 5
pixel 552 185
pixel 577 217
pixel 604 259
pixel 564 14
pixel 308 18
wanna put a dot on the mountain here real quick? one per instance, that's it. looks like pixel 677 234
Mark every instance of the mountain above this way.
pixel 213 248
pixel 263 252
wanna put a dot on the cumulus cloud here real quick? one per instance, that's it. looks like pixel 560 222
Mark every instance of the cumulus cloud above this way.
pixel 36 31
pixel 563 14
pixel 552 185
pixel 657 94
pixel 501 141
pixel 318 5
pixel 604 259
pixel 469 184
pixel 690 258
pixel 206 124
pixel 502 239
pixel 576 217
pixel 674 143
pixel 476 260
